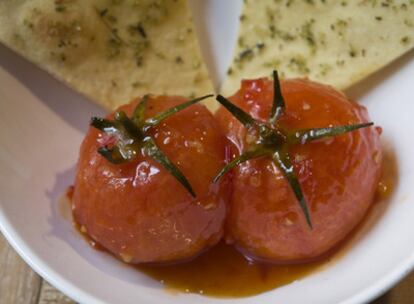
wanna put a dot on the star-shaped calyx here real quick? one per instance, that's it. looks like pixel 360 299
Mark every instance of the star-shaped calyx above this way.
pixel 132 137
pixel 274 143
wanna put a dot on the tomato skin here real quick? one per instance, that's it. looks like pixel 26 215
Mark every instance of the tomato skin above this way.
pixel 338 176
pixel 139 211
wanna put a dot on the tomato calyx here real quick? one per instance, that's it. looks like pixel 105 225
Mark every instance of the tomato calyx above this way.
pixel 131 138
pixel 274 142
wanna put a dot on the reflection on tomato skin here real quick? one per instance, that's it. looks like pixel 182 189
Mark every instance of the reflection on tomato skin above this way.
pixel 140 212
pixel 339 176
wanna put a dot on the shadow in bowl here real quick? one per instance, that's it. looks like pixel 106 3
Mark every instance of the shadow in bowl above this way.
pixel 76 110
pixel 382 202
pixel 71 106
pixel 62 227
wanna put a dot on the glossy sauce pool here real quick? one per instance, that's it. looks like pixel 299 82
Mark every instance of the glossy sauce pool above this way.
pixel 223 272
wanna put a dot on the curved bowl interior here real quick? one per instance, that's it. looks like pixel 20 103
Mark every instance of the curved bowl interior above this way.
pixel 42 123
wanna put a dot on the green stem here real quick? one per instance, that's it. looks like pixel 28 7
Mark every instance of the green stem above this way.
pixel 278 105
pixel 132 138
pixel 241 116
pixel 307 135
pixel 241 159
pixel 152 150
pixel 282 159
pixel 112 155
pixel 164 115
pixel 138 117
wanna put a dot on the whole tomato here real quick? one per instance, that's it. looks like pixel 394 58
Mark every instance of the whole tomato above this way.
pixel 338 175
pixel 137 210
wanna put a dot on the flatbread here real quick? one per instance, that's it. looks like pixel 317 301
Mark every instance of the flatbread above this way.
pixel 330 41
pixel 109 50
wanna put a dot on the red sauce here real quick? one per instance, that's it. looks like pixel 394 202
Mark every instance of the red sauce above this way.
pixel 69 192
pixel 82 231
pixel 224 272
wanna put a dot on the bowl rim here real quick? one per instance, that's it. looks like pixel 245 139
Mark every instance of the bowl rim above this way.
pixel 41 267
pixel 75 292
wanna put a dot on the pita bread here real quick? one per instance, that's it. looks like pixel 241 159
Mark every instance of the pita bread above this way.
pixel 109 50
pixel 333 42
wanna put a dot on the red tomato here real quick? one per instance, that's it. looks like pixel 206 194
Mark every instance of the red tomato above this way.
pixel 338 175
pixel 138 210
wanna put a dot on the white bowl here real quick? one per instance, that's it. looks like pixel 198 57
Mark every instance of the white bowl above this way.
pixel 42 123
